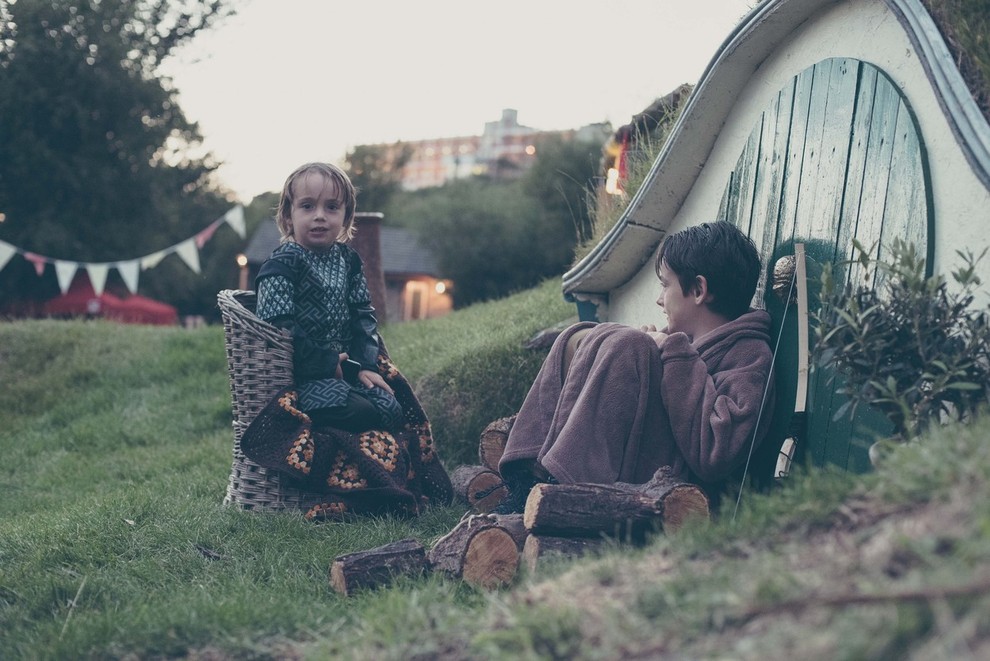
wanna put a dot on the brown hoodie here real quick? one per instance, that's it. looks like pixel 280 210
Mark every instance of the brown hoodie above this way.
pixel 627 407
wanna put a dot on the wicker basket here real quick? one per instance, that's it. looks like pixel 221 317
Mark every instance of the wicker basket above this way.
pixel 259 361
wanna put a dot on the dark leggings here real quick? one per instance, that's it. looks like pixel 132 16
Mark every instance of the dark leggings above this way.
pixel 357 415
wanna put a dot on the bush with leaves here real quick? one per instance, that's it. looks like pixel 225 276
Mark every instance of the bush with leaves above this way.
pixel 907 344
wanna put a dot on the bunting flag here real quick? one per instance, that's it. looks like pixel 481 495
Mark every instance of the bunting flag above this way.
pixel 152 260
pixel 65 271
pixel 187 250
pixel 39 262
pixel 97 276
pixel 205 235
pixel 189 253
pixel 129 274
pixel 235 218
pixel 6 252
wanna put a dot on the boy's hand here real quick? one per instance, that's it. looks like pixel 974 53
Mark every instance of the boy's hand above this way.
pixel 369 379
pixel 658 336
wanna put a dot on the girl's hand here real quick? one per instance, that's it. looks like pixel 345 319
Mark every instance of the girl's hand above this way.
pixel 340 359
pixel 369 379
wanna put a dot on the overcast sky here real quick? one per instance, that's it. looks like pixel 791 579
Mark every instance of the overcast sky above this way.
pixel 290 81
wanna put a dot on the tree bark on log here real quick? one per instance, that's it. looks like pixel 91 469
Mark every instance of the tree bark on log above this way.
pixel 478 550
pixel 540 547
pixel 478 487
pixel 492 443
pixel 513 524
pixel 377 566
pixel 625 511
pixel 679 501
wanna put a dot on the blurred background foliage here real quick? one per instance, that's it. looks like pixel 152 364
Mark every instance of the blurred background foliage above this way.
pixel 97 161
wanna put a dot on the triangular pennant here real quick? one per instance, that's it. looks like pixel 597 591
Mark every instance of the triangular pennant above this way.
pixel 97 276
pixel 39 262
pixel 65 271
pixel 189 253
pixel 129 273
pixel 235 218
pixel 205 235
pixel 6 252
pixel 152 260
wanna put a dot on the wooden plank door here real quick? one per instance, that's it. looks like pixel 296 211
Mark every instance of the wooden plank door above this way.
pixel 836 156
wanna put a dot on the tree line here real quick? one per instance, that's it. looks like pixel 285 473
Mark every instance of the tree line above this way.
pixel 99 163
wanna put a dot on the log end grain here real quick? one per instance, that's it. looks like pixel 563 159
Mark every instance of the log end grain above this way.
pixel 482 489
pixel 491 559
pixel 486 491
pixel 683 503
pixel 492 443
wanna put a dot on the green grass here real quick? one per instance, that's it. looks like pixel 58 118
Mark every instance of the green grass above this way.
pixel 114 543
pixel 470 368
pixel 116 448
pixel 965 26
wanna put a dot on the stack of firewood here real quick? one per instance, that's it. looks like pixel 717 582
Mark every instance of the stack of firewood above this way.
pixel 560 520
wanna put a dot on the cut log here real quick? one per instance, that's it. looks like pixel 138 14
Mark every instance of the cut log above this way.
pixel 626 511
pixel 513 524
pixel 491 558
pixel 492 443
pixel 539 548
pixel 585 510
pixel 479 487
pixel 679 501
pixel 478 550
pixel 376 567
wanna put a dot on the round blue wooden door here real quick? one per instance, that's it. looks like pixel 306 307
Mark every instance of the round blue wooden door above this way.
pixel 836 156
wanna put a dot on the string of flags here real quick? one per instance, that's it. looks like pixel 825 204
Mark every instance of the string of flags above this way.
pixel 65 270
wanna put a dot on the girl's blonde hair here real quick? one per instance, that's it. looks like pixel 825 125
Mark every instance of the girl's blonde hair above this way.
pixel 332 173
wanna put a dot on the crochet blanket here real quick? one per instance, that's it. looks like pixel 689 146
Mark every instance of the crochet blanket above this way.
pixel 372 472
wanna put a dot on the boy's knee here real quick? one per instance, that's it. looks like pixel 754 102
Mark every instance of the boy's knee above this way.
pixel 573 342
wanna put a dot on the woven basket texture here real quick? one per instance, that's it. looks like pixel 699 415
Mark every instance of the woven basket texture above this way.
pixel 259 362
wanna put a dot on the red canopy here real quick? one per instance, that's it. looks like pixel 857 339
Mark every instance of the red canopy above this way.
pixel 81 301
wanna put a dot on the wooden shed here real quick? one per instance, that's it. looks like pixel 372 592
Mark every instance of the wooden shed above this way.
pixel 816 122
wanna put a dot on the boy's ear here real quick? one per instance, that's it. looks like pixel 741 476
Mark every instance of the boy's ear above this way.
pixel 700 290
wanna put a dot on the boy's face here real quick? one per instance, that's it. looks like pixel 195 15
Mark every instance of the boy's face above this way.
pixel 681 310
pixel 317 213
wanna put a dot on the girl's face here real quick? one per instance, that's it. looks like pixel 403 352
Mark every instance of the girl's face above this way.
pixel 317 214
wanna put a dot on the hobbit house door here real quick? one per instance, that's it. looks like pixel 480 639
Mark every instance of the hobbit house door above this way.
pixel 836 156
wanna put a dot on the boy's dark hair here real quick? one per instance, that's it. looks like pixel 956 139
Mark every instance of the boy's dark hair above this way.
pixel 724 255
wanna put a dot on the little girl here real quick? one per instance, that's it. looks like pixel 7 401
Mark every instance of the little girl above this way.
pixel 314 285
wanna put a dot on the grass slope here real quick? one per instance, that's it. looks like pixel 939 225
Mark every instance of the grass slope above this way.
pixel 113 542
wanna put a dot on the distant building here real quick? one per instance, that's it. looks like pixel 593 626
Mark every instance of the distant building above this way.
pixel 505 150
pixel 436 161
pixel 413 286
pixel 403 276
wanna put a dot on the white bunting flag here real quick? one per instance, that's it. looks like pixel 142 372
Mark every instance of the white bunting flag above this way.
pixel 188 250
pixel 6 252
pixel 152 260
pixel 97 276
pixel 65 271
pixel 129 273
pixel 235 218
pixel 189 253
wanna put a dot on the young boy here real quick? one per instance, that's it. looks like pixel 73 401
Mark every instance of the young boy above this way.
pixel 613 403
